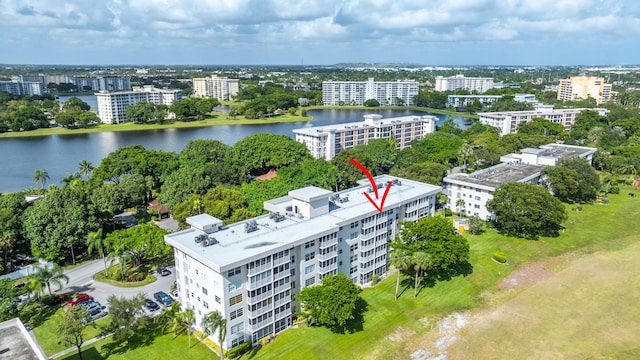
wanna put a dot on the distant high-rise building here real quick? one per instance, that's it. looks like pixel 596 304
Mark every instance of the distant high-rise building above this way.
pixel 479 84
pixel 357 92
pixel 111 105
pixel 582 87
pixel 508 121
pixel 221 88
pixel 15 87
pixel 103 83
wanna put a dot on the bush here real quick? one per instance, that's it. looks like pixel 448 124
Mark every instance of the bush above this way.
pixel 375 279
pixel 239 350
pixel 448 212
pixel 499 257
pixel 614 189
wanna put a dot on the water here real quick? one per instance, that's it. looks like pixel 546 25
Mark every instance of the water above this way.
pixel 61 154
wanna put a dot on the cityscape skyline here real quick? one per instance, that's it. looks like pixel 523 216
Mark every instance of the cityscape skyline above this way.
pixel 281 32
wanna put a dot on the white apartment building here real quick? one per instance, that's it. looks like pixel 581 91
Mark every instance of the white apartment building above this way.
pixel 461 101
pixel 251 271
pixel 456 82
pixel 508 121
pixel 221 88
pixel 103 83
pixel 15 87
pixel 582 87
pixel 111 105
pixel 357 92
pixel 327 141
pixel 477 188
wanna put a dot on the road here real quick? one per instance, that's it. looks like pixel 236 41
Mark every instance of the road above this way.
pixel 81 281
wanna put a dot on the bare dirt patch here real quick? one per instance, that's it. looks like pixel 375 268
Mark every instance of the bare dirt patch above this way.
pixel 525 277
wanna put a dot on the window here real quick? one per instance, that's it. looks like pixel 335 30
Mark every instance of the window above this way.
pixel 218 299
pixel 205 291
pixel 309 269
pixel 234 271
pixel 237 328
pixel 235 314
pixel 238 341
pixel 235 300
pixel 235 285
pixel 310 281
pixel 309 244
pixel 309 256
pixel 205 304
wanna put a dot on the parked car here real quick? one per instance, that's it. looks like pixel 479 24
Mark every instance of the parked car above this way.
pixel 163 271
pixel 163 298
pixel 91 306
pixel 151 305
pixel 79 299
pixel 94 315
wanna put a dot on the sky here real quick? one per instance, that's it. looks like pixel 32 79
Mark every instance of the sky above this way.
pixel 320 32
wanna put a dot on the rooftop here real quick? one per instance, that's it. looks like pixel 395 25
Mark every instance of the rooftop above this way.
pixel 249 239
pixel 17 344
pixel 314 130
pixel 560 151
pixel 497 175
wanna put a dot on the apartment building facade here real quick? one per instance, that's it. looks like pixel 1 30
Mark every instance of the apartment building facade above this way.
pixel 251 271
pixel 357 92
pixel 582 87
pixel 111 105
pixel 327 141
pixel 221 88
pixel 103 83
pixel 469 193
pixel 479 84
pixel 14 87
pixel 508 121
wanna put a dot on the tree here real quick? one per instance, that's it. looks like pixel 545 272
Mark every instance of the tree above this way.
pixel 257 154
pixel 439 147
pixel 465 152
pixel 526 210
pixel 401 260
pixel 48 275
pixel 183 183
pixel 443 199
pixel 128 323
pixel 215 321
pixel 371 103
pixel 203 151
pixel 141 242
pixel 421 262
pixel 75 104
pixel 9 295
pixel 85 168
pixel 426 172
pixel 332 304
pixel 460 205
pixel 183 321
pixel 96 240
pixel 475 224
pixel 572 179
pixel 71 328
pixel 541 126
pixel 40 177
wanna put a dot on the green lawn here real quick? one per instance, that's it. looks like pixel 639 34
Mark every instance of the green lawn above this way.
pixel 391 329
pixel 163 347
pixel 47 333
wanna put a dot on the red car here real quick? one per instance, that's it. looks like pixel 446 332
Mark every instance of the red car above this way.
pixel 78 299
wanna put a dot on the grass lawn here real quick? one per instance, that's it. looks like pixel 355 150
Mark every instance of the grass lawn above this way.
pixel 395 329
pixel 47 333
pixel 217 121
pixel 163 347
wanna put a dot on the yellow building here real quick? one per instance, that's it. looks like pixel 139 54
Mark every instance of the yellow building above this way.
pixel 582 87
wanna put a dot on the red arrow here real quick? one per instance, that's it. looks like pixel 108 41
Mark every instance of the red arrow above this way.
pixel 373 185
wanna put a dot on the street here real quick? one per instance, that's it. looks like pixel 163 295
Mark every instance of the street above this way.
pixel 81 281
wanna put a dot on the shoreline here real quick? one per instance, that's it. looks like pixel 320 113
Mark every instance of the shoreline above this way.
pixel 219 120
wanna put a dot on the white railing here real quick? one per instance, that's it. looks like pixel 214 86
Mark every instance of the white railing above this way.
pixel 327 243
pixel 256 299
pixel 256 284
pixel 328 256
pixel 282 260
pixel 364 270
pixel 282 301
pixel 367 258
pixel 260 311
pixel 364 248
pixel 282 314
pixel 260 325
pixel 258 269
pixel 281 274
pixel 281 288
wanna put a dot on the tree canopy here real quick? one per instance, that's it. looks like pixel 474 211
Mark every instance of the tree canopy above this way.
pixel 572 179
pixel 140 243
pixel 256 154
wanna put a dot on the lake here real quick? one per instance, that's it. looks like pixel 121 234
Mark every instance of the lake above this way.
pixel 60 154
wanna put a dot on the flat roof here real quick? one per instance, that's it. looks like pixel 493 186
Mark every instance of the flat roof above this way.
pixel 561 151
pixel 317 130
pixel 235 245
pixel 17 344
pixel 310 193
pixel 497 175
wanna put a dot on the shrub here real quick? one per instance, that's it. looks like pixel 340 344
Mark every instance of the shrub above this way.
pixel 499 257
pixel 375 279
pixel 448 212
pixel 239 350
pixel 614 189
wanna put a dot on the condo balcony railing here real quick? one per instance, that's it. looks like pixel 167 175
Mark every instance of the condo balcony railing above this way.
pixel 281 274
pixel 256 299
pixel 259 325
pixel 328 256
pixel 282 314
pixel 258 269
pixel 251 285
pixel 281 260
pixel 329 242
pixel 282 301
pixel 257 312
pixel 366 269
pixel 367 258
pixel 364 248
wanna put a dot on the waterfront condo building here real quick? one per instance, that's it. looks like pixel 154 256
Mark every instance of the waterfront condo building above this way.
pixel 477 188
pixel 479 84
pixel 111 105
pixel 357 92
pixel 508 121
pixel 582 87
pixel 327 141
pixel 220 88
pixel 251 271
pixel 15 87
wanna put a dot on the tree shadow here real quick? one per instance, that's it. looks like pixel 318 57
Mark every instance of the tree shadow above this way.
pixel 87 353
pixel 431 278
pixel 357 323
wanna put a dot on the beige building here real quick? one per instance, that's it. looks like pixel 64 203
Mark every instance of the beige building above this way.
pixel 582 87
pixel 215 87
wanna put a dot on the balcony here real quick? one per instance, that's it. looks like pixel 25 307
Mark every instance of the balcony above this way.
pixel 254 314
pixel 282 301
pixel 252 285
pixel 327 256
pixel 367 269
pixel 364 248
pixel 282 260
pixel 367 236
pixel 258 269
pixel 327 243
pixel 367 258
pixel 282 274
pixel 256 299
pixel 328 268
pixel 281 288
pixel 260 325
pixel 381 241
pixel 282 314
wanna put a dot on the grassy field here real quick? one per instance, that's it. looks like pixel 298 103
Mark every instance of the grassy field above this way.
pixel 396 329
pixel 47 333
pixel 216 121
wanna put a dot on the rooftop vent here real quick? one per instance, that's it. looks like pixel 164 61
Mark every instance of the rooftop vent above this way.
pixel 370 189
pixel 209 241
pixel 379 185
pixel 200 238
pixel 250 226
pixel 344 199
pixel 396 182
pixel 276 216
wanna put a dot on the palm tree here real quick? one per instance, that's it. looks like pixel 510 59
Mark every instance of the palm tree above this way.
pixel 68 179
pixel 40 177
pixel 421 262
pixel 50 275
pixel 215 321
pixel 36 286
pixel 401 259
pixel 465 152
pixel 85 168
pixel 460 204
pixel 95 240
pixel 443 199
pixel 183 321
